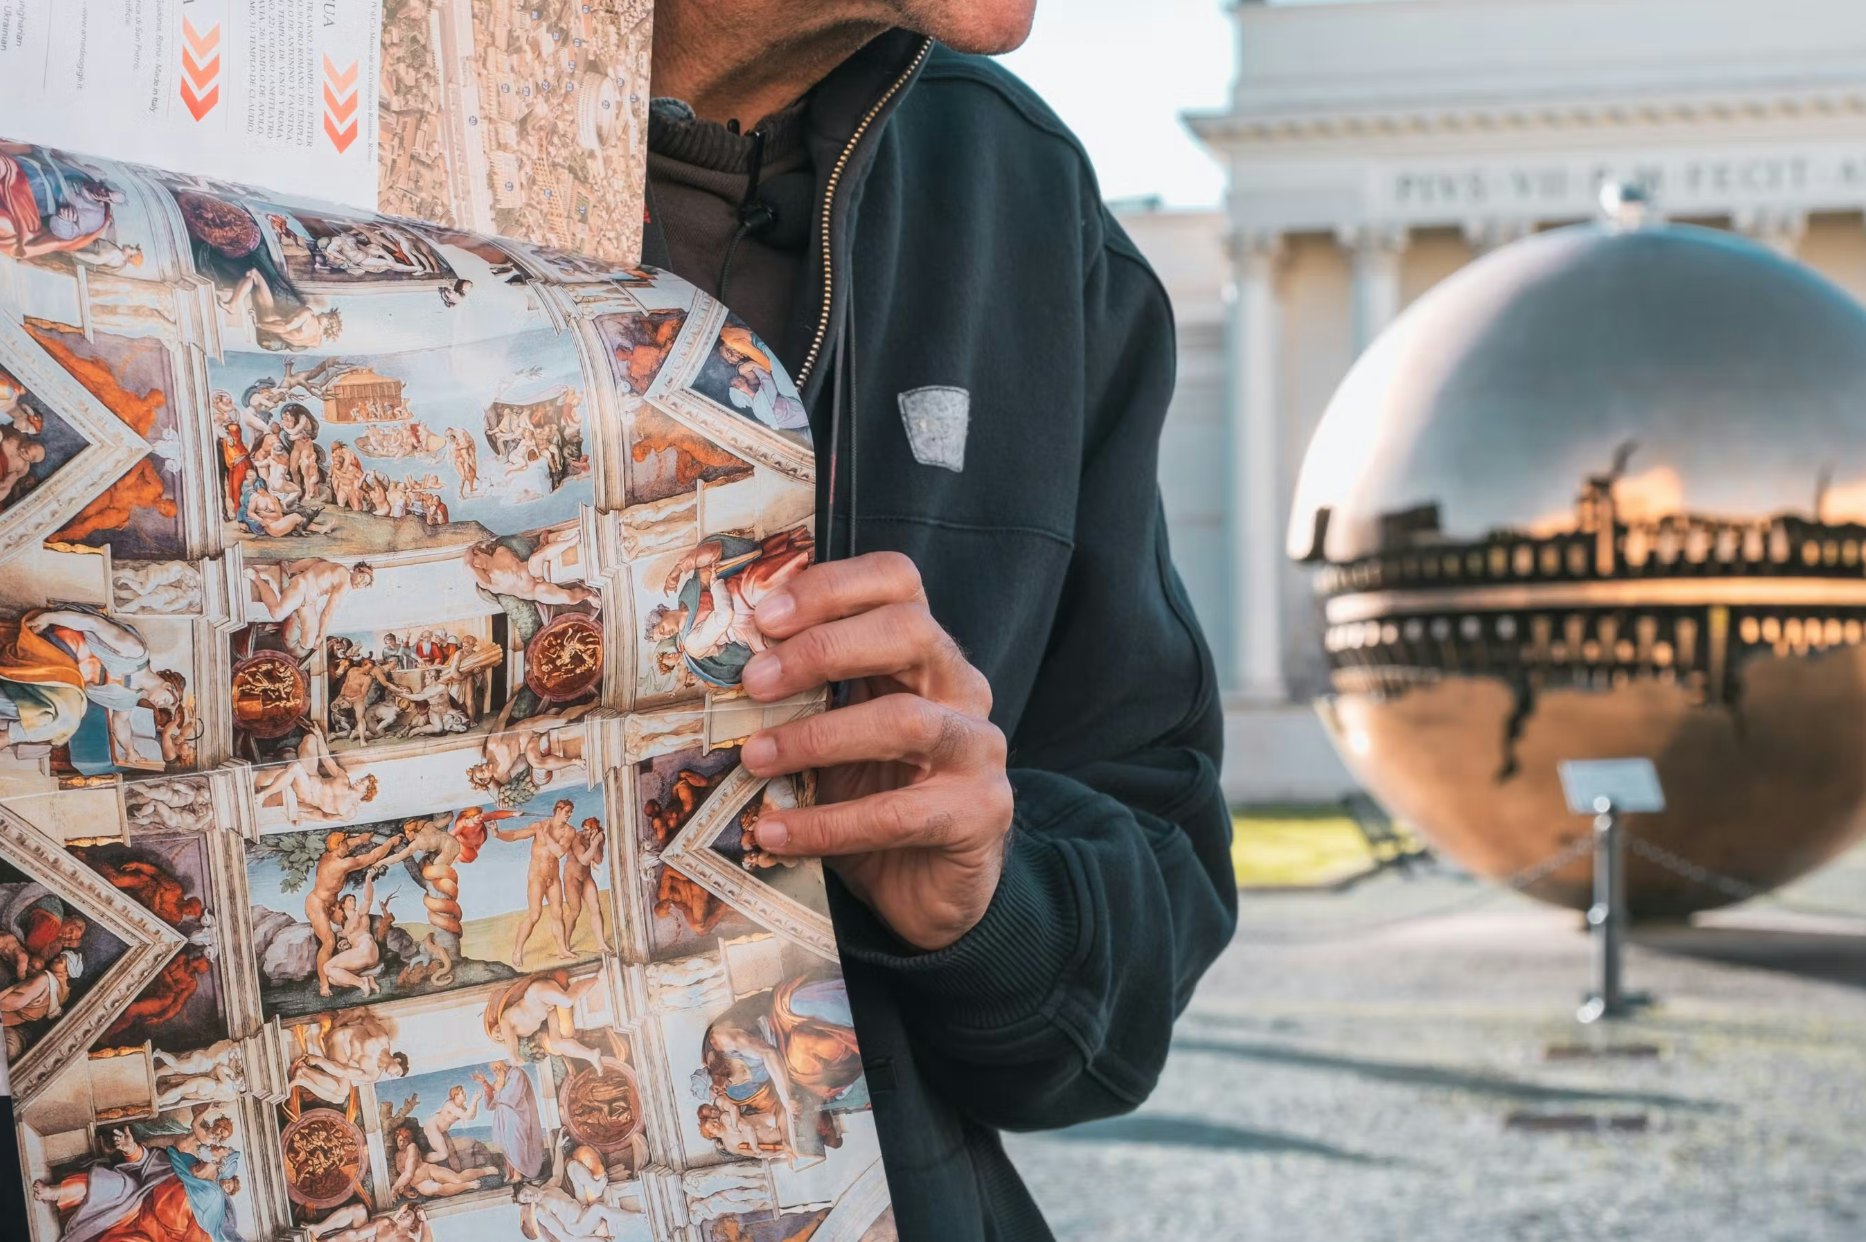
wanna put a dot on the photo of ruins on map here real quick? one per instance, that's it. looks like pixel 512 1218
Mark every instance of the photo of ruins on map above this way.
pixel 525 118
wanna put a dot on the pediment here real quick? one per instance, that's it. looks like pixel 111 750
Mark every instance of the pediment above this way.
pixel 707 851
pixel 83 447
pixel 43 876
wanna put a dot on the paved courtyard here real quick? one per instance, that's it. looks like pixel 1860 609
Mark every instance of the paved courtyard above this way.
pixel 1425 1079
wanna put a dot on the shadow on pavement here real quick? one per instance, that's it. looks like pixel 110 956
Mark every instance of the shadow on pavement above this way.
pixel 1438 1076
pixel 1826 956
pixel 1167 1131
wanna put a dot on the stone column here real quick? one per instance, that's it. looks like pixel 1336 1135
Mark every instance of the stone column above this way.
pixel 1778 228
pixel 1376 250
pixel 1256 511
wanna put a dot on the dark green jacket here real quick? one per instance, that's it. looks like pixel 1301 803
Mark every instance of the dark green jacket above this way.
pixel 967 226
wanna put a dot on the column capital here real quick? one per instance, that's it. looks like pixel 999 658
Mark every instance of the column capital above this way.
pixel 1486 233
pixel 1779 228
pixel 1247 243
pixel 1376 237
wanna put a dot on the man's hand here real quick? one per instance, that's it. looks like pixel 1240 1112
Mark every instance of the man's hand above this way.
pixel 913 802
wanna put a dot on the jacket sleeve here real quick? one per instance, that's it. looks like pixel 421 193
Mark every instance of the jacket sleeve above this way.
pixel 1117 890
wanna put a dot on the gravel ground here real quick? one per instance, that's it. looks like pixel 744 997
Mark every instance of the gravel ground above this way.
pixel 1336 1085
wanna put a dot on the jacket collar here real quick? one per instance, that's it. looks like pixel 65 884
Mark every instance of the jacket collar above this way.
pixel 873 81
pixel 838 106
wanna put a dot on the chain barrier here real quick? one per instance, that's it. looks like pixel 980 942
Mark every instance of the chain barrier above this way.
pixel 1535 873
pixel 1516 882
pixel 1729 886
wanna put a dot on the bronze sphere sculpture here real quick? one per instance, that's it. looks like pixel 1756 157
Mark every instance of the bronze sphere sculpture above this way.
pixel 1603 494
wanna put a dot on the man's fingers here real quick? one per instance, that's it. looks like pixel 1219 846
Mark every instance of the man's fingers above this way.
pixel 933 815
pixel 837 589
pixel 901 641
pixel 895 728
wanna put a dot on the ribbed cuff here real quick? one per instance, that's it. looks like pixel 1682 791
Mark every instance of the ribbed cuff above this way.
pixel 1008 966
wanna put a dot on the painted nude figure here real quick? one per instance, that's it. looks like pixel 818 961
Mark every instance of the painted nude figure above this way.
pixel 551 842
pixel 271 514
pixel 358 959
pixel 314 781
pixel 459 1107
pixel 513 747
pixel 353 1051
pixel 536 1012
pixel 305 595
pixel 503 572
pixel 414 1172
pixel 580 891
pixel 282 324
pixel 351 1223
pixel 554 1215
pixel 346 478
pixel 354 683
pixel 216 1072
pixel 345 854
pixel 466 459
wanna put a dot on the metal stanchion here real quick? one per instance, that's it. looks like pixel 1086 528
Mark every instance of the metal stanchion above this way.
pixel 1609 788
pixel 1606 918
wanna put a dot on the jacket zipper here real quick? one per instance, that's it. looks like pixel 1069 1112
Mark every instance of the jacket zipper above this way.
pixel 829 208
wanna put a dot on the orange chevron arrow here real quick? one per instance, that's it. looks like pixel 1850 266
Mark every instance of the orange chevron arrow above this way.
pixel 202 44
pixel 200 69
pixel 199 105
pixel 199 76
pixel 340 138
pixel 340 109
pixel 342 81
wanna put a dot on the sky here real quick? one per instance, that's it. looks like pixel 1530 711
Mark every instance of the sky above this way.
pixel 1120 73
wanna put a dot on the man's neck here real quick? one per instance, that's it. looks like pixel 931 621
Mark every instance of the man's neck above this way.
pixel 746 59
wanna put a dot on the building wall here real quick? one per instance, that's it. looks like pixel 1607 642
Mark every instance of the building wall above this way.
pixel 1439 129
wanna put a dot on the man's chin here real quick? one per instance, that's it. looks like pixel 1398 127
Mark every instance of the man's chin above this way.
pixel 978 27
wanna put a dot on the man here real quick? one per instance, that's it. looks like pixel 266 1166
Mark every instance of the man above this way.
pixel 46 929
pixel 165 997
pixel 532 1019
pixel 357 681
pixel 716 589
pixel 501 570
pixel 529 748
pixel 921 221
pixel 155 889
pixel 20 451
pixel 37 997
pixel 552 840
pixel 305 595
pixel 344 855
pixel 352 1223
pixel 132 1195
pixel 467 673
pixel 314 782
pixel 57 663
pixel 49 205
pixel 216 1072
pixel 353 1050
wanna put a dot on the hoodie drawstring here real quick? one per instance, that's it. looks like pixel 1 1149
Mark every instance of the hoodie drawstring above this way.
pixel 756 216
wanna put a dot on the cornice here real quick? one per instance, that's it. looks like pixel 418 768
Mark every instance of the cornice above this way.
pixel 1351 121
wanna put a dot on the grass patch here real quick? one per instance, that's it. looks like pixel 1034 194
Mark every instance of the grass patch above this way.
pixel 1296 847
